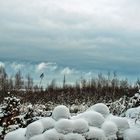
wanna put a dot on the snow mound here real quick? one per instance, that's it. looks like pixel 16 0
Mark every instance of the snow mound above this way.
pixel 16 135
pixel 95 133
pixel 137 95
pixel 100 108
pixel 110 130
pixel 133 112
pixel 52 134
pixel 93 124
pixel 48 123
pixel 122 125
pixel 73 136
pixel 60 112
pixel 80 126
pixel 131 134
pixel 38 137
pixel 33 129
pixel 93 118
pixel 64 126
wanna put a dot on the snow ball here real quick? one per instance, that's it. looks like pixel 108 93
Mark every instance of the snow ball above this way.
pixel 18 134
pixel 110 130
pixel 133 112
pixel 95 133
pixel 73 136
pixel 60 111
pixel 122 124
pixel 131 134
pixel 52 134
pixel 34 128
pixel 30 106
pixel 93 118
pixel 80 126
pixel 48 123
pixel 137 95
pixel 100 108
pixel 37 137
pixel 64 126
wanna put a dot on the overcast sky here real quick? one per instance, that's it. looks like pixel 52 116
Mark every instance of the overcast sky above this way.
pixel 71 36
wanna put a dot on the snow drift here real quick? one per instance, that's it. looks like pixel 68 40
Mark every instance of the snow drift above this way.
pixel 95 123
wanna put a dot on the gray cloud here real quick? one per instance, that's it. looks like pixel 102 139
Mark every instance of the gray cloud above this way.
pixel 97 35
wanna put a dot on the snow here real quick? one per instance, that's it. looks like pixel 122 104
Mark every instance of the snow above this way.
pixel 94 123
pixel 110 129
pixel 52 134
pixel 121 123
pixel 37 137
pixel 78 108
pixel 64 126
pixel 93 118
pixel 33 129
pixel 95 133
pixel 131 134
pixel 133 112
pixel 16 135
pixel 137 95
pixel 80 126
pixel 59 112
pixel 48 123
pixel 73 136
pixel 100 108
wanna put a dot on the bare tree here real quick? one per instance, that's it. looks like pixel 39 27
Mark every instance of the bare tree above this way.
pixel 29 83
pixel 10 84
pixel 64 82
pixel 52 85
pixel 3 79
pixel 19 82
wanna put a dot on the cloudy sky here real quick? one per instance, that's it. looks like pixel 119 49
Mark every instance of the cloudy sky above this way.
pixel 73 37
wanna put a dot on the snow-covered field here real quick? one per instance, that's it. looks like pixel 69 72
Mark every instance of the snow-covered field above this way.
pixel 95 123
pixel 102 121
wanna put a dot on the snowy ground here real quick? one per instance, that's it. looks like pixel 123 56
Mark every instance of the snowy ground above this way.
pixel 75 122
pixel 95 123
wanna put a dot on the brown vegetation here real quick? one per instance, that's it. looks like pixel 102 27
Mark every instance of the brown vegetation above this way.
pixel 100 89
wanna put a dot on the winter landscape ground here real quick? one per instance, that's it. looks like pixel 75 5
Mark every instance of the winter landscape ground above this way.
pixel 102 121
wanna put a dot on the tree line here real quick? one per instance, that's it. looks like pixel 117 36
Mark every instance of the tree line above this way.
pixel 101 88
